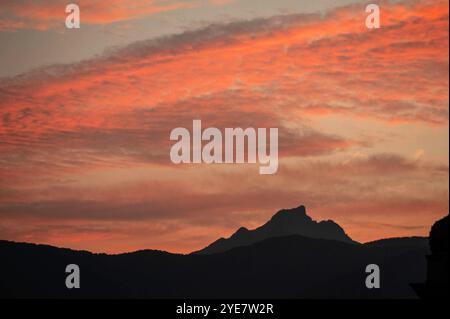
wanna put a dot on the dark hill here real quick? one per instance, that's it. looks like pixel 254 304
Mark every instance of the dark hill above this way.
pixel 281 267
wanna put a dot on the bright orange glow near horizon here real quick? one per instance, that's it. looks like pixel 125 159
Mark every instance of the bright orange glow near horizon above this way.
pixel 362 116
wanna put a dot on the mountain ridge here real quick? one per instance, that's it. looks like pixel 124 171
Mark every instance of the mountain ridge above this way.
pixel 281 267
pixel 274 265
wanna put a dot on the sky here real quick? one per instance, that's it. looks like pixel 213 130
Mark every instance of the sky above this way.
pixel 86 116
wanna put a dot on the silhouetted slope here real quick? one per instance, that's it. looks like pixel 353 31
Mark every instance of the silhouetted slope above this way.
pixel 280 267
pixel 283 223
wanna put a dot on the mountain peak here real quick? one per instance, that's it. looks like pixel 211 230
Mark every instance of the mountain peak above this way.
pixel 298 210
pixel 291 215
pixel 285 222
pixel 240 232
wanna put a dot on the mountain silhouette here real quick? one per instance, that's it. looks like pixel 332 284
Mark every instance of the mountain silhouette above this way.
pixel 286 222
pixel 270 262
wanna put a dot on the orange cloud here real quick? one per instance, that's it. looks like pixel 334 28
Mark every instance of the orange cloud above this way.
pixel 271 72
pixel 48 14
pixel 379 196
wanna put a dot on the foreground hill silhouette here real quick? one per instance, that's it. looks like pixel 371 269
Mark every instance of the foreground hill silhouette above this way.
pixel 291 266
pixel 285 222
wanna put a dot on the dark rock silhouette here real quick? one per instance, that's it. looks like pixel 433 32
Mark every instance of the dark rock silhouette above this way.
pixel 436 285
pixel 285 222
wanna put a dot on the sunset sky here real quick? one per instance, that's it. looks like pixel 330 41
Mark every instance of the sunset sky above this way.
pixel 86 116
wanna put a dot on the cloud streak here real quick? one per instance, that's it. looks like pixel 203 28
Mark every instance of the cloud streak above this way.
pixel 50 14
